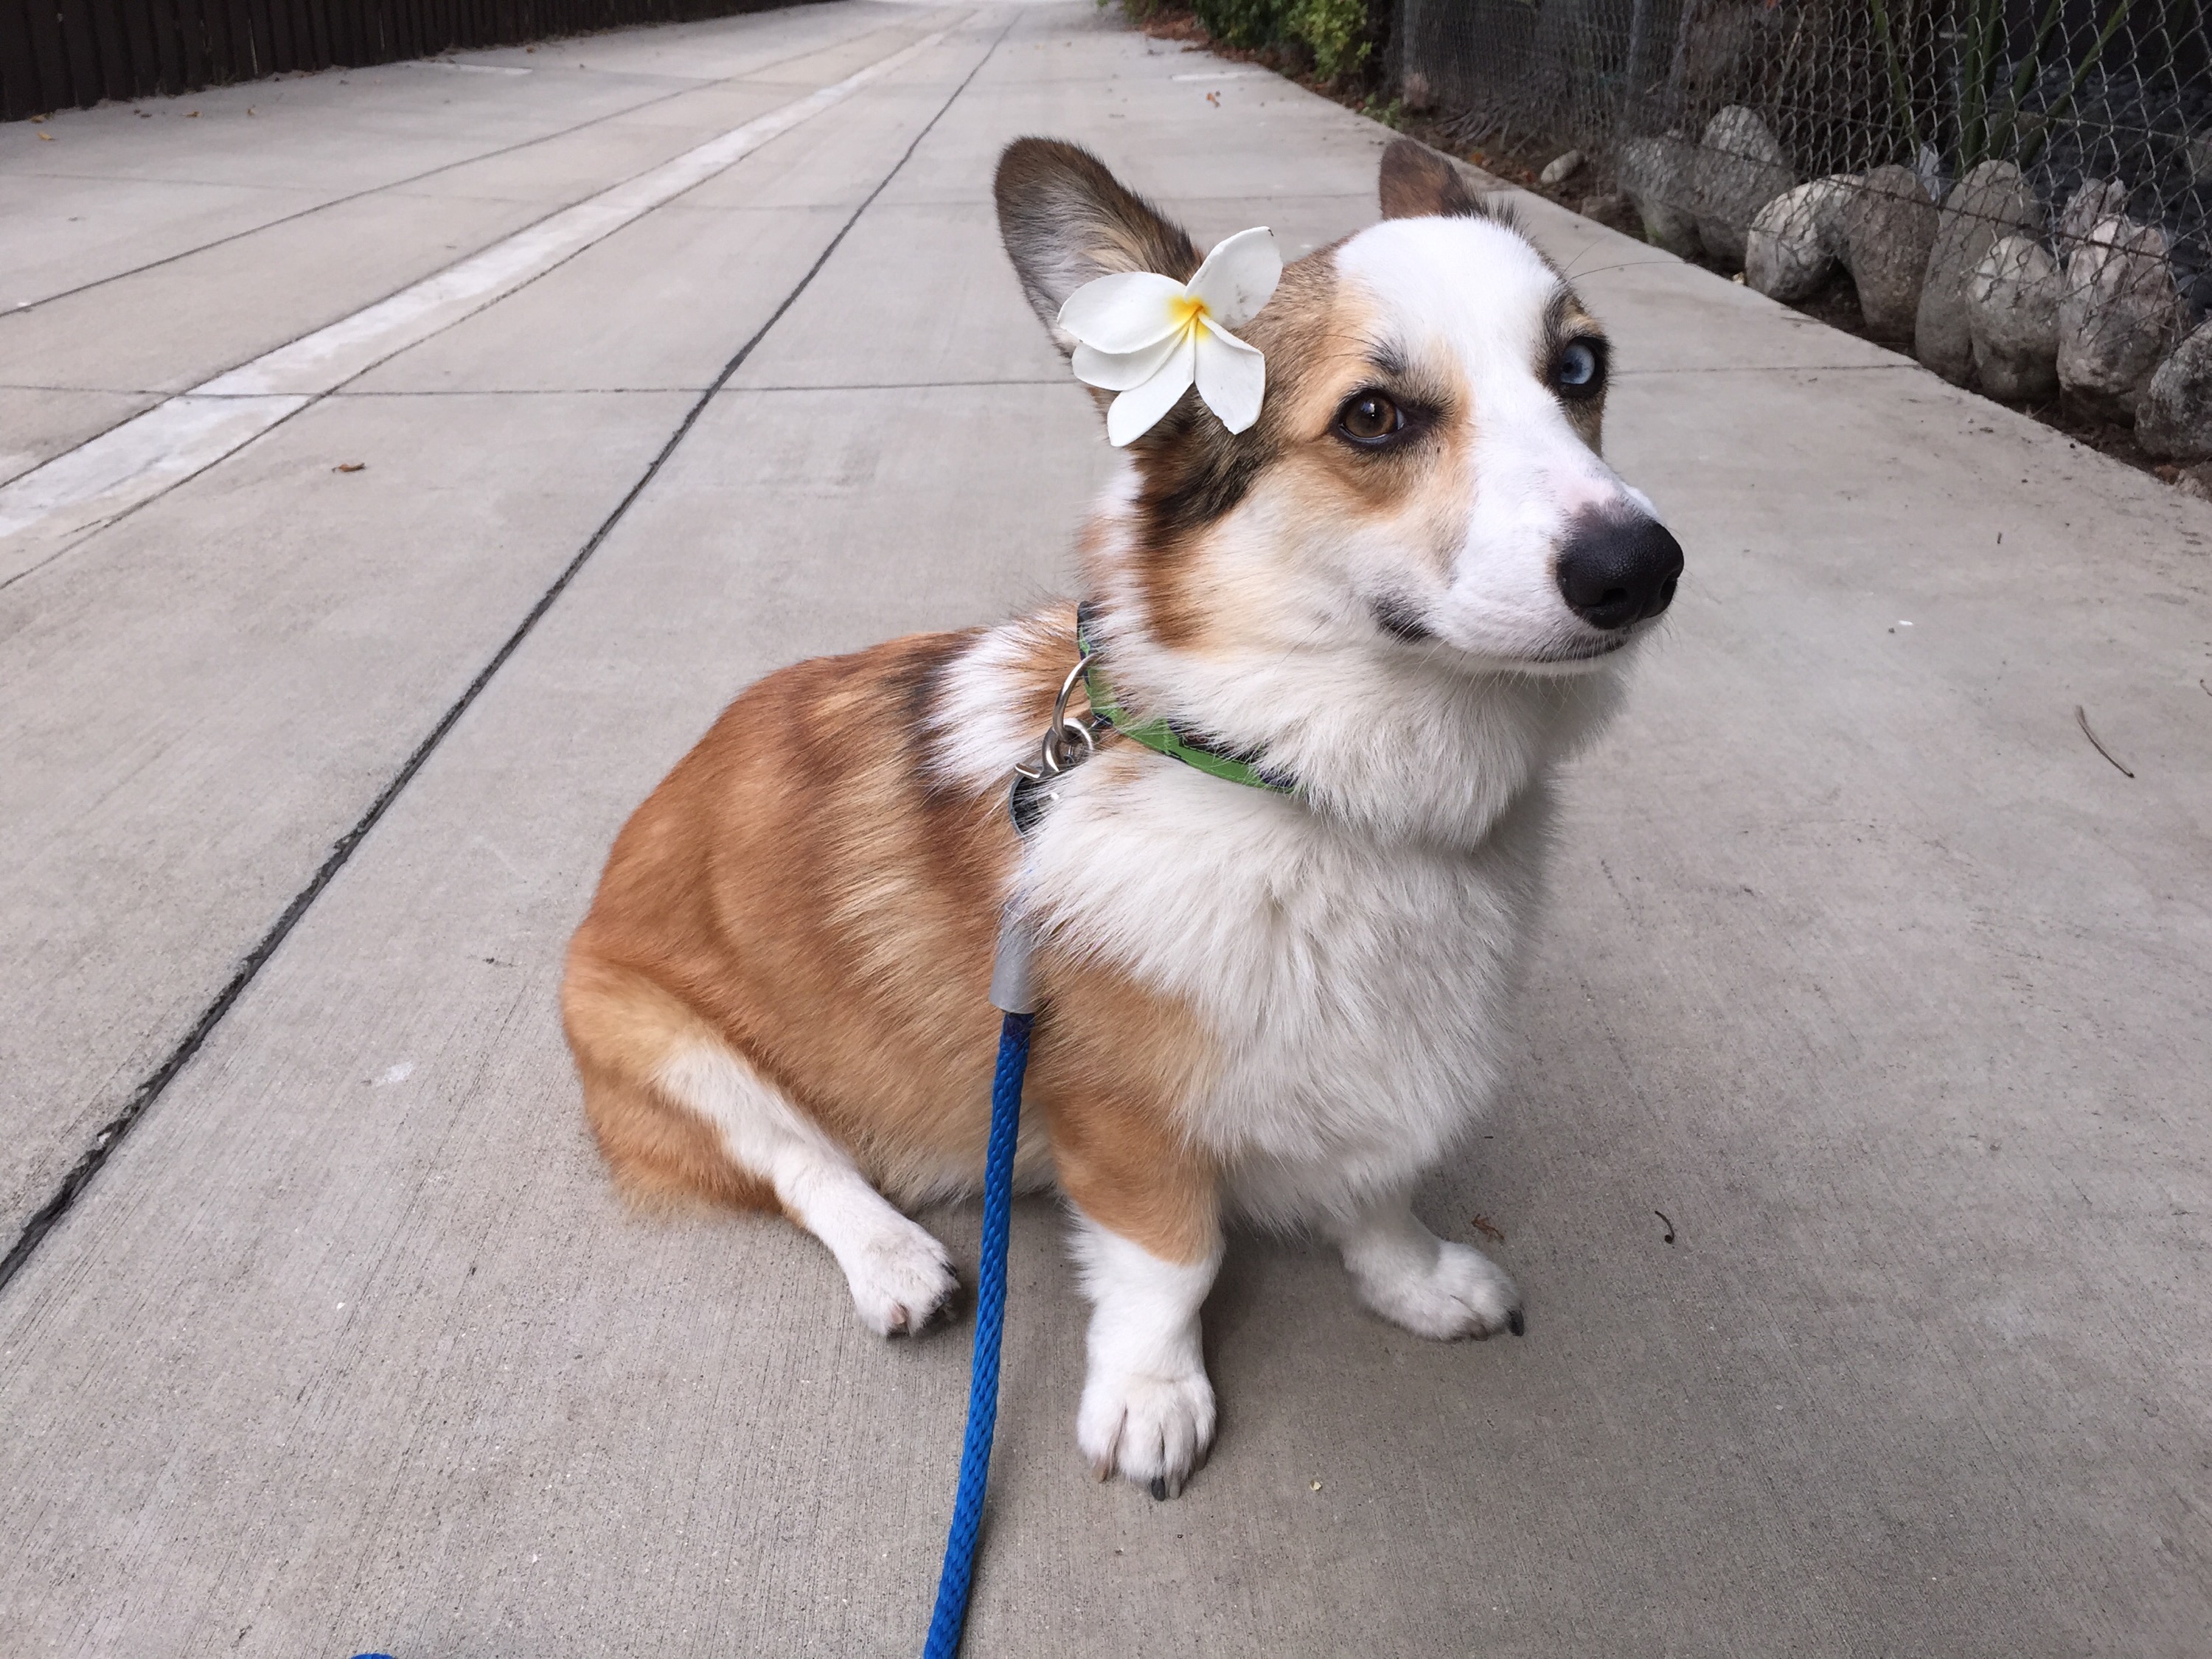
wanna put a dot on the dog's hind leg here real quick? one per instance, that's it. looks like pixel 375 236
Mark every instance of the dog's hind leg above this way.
pixel 679 1113
pixel 1428 1284
pixel 899 1273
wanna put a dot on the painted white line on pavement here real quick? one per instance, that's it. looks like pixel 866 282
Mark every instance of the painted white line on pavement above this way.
pixel 465 68
pixel 143 457
pixel 128 465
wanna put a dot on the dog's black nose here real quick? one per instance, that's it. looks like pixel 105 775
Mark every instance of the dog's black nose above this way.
pixel 1619 568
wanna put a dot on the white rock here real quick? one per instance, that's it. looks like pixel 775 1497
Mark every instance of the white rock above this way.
pixel 1795 243
pixel 1889 225
pixel 2012 316
pixel 2094 201
pixel 1656 174
pixel 1561 168
pixel 2117 312
pixel 2173 419
pixel 1740 169
pixel 1992 200
pixel 1927 168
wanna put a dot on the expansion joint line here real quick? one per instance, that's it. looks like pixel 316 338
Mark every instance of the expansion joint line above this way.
pixel 112 1134
pixel 55 506
pixel 403 182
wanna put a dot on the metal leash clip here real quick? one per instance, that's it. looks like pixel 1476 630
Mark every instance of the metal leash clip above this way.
pixel 1067 743
pixel 1034 787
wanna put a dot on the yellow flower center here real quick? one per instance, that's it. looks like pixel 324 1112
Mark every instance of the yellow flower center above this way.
pixel 1188 309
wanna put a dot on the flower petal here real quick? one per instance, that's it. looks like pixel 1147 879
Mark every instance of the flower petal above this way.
pixel 1117 371
pixel 1141 408
pixel 1232 376
pixel 1125 312
pixel 1239 275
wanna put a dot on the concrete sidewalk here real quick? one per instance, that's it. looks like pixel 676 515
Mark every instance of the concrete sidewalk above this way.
pixel 1863 966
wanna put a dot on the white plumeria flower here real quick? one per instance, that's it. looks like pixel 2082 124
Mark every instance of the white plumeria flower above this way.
pixel 1150 337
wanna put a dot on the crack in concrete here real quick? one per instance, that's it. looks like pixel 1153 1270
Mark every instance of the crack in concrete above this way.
pixel 113 1133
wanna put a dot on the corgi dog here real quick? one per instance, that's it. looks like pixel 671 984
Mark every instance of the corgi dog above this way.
pixel 1392 604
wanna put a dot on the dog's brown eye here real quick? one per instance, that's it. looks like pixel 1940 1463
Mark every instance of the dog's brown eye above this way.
pixel 1369 418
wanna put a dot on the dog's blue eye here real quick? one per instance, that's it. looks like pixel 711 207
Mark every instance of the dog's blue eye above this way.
pixel 1578 368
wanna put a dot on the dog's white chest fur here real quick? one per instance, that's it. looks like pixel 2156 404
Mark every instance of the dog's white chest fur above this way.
pixel 1351 967
pixel 1354 991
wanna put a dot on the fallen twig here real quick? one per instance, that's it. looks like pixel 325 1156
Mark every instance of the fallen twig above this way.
pixel 2081 719
pixel 1669 1239
pixel 1489 1228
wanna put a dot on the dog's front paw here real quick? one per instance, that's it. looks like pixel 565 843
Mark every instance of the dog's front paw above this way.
pixel 1462 1293
pixel 1152 1428
pixel 900 1275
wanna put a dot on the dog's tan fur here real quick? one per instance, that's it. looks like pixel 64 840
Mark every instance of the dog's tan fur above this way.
pixel 798 892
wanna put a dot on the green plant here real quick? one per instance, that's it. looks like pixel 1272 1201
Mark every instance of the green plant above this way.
pixel 1983 132
pixel 1894 64
pixel 1247 24
pixel 1391 115
pixel 1335 30
pixel 1991 122
pixel 1338 34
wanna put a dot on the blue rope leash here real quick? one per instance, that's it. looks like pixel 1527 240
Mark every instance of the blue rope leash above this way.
pixel 945 1626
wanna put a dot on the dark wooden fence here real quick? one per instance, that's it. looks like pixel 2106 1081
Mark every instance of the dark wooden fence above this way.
pixel 56 53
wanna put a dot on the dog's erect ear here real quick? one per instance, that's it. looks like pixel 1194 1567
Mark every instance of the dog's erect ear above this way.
pixel 1066 221
pixel 1419 183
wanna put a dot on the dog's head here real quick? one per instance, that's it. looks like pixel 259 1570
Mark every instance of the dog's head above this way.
pixel 1426 471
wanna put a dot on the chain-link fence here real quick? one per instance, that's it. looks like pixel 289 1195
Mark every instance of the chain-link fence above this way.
pixel 2020 190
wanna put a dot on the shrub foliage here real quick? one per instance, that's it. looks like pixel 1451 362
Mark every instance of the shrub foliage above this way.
pixel 1337 34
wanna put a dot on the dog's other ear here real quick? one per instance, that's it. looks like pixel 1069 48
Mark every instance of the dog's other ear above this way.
pixel 1418 183
pixel 1066 221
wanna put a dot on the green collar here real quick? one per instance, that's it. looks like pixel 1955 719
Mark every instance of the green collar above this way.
pixel 1160 734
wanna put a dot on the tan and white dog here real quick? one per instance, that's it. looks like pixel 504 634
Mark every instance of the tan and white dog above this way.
pixel 1410 588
